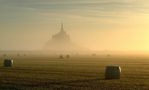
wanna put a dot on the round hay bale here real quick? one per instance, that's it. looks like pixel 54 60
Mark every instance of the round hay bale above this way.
pixel 112 72
pixel 93 54
pixel 4 55
pixel 8 63
pixel 18 54
pixel 25 55
pixel 108 55
pixel 61 57
pixel 67 56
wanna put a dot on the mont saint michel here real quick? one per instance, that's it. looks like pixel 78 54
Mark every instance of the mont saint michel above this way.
pixel 61 42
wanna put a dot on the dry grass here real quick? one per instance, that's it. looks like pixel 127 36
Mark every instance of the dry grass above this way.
pixel 76 73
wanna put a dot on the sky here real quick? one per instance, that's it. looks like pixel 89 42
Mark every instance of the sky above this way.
pixel 95 24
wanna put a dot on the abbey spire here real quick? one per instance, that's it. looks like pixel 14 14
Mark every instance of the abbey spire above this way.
pixel 61 36
pixel 62 27
pixel 61 42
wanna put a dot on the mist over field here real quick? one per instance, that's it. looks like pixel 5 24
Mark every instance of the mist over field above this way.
pixel 74 44
pixel 97 25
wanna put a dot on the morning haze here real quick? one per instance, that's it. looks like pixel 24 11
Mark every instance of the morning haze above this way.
pixel 74 45
pixel 98 25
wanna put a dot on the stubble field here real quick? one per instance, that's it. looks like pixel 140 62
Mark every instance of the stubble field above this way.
pixel 75 73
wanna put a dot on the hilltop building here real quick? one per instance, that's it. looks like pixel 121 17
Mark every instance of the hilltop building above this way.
pixel 61 42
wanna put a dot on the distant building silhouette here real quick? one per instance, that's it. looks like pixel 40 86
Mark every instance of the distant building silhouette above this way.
pixel 61 37
pixel 61 42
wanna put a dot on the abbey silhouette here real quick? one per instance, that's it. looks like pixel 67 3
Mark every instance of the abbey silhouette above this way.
pixel 61 42
pixel 61 37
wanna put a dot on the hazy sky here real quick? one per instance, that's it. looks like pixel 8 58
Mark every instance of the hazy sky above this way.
pixel 96 24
